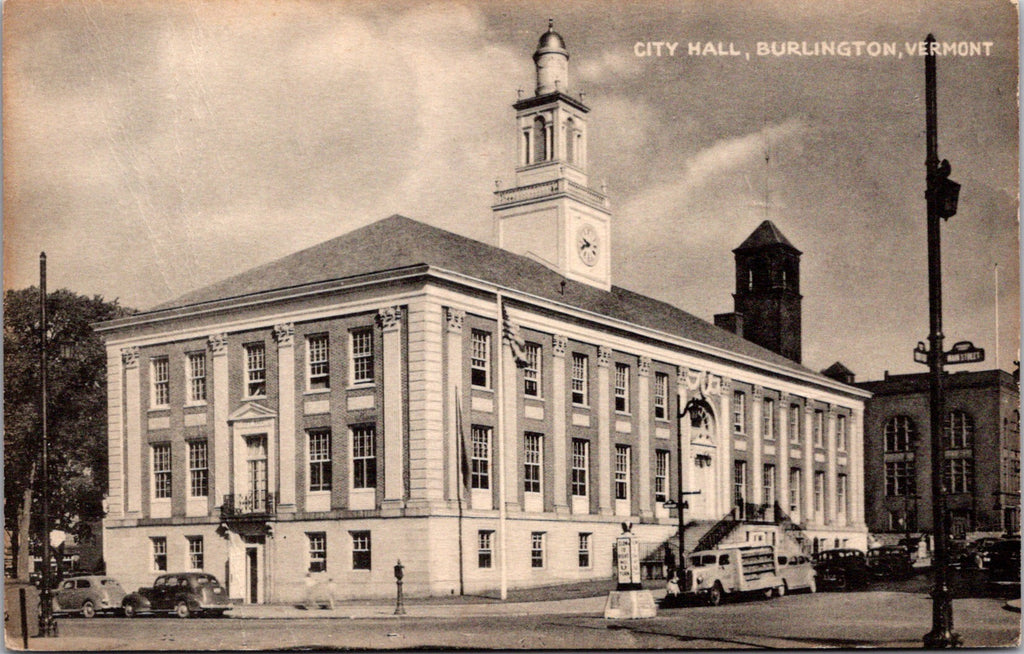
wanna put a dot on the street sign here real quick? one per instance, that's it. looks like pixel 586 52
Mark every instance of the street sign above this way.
pixel 965 352
pixel 961 352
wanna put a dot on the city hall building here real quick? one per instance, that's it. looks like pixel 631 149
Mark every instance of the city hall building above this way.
pixel 488 415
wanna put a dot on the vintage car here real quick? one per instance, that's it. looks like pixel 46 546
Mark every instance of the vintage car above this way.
pixel 841 568
pixel 890 562
pixel 88 595
pixel 797 573
pixel 182 593
pixel 1002 561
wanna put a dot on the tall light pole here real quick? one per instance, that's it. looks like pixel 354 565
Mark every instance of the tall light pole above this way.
pixel 47 625
pixel 941 200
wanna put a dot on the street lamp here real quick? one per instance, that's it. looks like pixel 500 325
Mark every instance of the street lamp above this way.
pixel 47 625
pixel 694 408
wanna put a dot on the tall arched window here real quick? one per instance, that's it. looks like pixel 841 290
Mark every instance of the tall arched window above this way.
pixel 900 434
pixel 570 141
pixel 540 141
pixel 959 430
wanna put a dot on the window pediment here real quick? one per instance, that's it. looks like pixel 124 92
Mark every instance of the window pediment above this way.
pixel 251 412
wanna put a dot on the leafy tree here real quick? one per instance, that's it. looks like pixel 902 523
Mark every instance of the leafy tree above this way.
pixel 76 413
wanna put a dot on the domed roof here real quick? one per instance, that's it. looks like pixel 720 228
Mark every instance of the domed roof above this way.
pixel 551 40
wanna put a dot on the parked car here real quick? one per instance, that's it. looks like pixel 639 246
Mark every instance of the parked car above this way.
pixel 841 568
pixel 890 561
pixel 1002 561
pixel 183 593
pixel 88 595
pixel 973 554
pixel 797 573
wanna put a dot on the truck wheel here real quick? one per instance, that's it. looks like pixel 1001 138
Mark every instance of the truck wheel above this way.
pixel 784 588
pixel 181 610
pixel 814 585
pixel 715 595
pixel 88 609
pixel 129 610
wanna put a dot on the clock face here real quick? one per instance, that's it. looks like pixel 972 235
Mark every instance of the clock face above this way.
pixel 587 244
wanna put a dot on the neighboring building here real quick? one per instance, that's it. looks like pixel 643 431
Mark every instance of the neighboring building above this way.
pixel 981 443
pixel 402 392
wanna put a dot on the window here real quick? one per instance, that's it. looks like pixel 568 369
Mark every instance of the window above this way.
pixel 198 469
pixel 483 553
pixel 661 459
pixel 841 494
pixel 580 373
pixel 958 475
pixel 580 465
pixel 362 356
pixel 660 396
pixel 540 140
pixel 622 388
pixel 900 434
pixel 360 550
pixel 819 492
pixel 531 473
pixel 255 370
pixel 364 456
pixel 739 412
pixel 195 552
pixel 622 472
pixel 159 553
pixel 768 419
pixel 794 490
pixel 794 423
pixel 584 550
pixel 162 471
pixel 768 484
pixel 317 551
pixel 161 381
pixel 537 549
pixel 842 439
pixel 899 478
pixel 959 430
pixel 480 360
pixel 532 371
pixel 197 377
pixel 319 459
pixel 480 461
pixel 819 428
pixel 739 480
pixel 318 353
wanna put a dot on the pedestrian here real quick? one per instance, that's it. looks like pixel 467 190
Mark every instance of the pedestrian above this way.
pixel 672 587
pixel 670 563
pixel 310 601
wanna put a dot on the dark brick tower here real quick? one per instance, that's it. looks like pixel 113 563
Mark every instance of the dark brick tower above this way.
pixel 768 290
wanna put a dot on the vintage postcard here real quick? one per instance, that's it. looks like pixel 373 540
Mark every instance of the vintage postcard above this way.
pixel 521 325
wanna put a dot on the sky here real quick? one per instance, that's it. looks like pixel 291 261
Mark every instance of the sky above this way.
pixel 154 147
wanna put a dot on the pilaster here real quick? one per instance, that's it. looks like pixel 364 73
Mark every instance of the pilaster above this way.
pixel 782 447
pixel 284 334
pixel 725 504
pixel 426 402
pixel 508 394
pixel 684 457
pixel 389 320
pixel 218 345
pixel 856 466
pixel 454 320
pixel 756 443
pixel 560 456
pixel 133 427
pixel 115 436
pixel 831 470
pixel 809 513
pixel 604 441
pixel 644 417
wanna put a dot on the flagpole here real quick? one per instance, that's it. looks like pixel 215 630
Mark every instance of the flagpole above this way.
pixel 458 487
pixel 502 540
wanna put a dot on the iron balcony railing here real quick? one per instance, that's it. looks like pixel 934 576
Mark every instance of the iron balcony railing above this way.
pixel 248 505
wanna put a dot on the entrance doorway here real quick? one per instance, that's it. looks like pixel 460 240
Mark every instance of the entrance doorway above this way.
pixel 253 581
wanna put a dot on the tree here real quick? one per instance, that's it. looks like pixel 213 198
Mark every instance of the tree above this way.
pixel 76 413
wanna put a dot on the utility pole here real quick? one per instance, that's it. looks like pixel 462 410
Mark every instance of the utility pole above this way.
pixel 941 195
pixel 47 625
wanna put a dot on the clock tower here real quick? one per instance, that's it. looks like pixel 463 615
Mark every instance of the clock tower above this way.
pixel 552 214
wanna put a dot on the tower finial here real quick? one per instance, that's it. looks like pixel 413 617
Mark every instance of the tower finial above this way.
pixel 551 24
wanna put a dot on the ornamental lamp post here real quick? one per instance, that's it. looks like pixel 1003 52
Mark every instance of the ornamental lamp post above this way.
pixel 399 573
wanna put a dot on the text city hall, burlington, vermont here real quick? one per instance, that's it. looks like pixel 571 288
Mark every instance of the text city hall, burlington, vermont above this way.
pixel 486 414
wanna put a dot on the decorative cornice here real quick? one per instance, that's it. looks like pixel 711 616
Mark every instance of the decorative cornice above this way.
pixel 218 343
pixel 726 385
pixel 130 356
pixel 389 318
pixel 681 379
pixel 455 319
pixel 644 367
pixel 284 334
pixel 758 393
pixel 604 354
pixel 809 409
pixel 558 344
pixel 785 399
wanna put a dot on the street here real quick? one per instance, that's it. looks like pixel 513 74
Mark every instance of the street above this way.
pixel 846 620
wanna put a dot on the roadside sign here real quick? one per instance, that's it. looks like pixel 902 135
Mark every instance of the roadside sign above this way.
pixel 961 352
